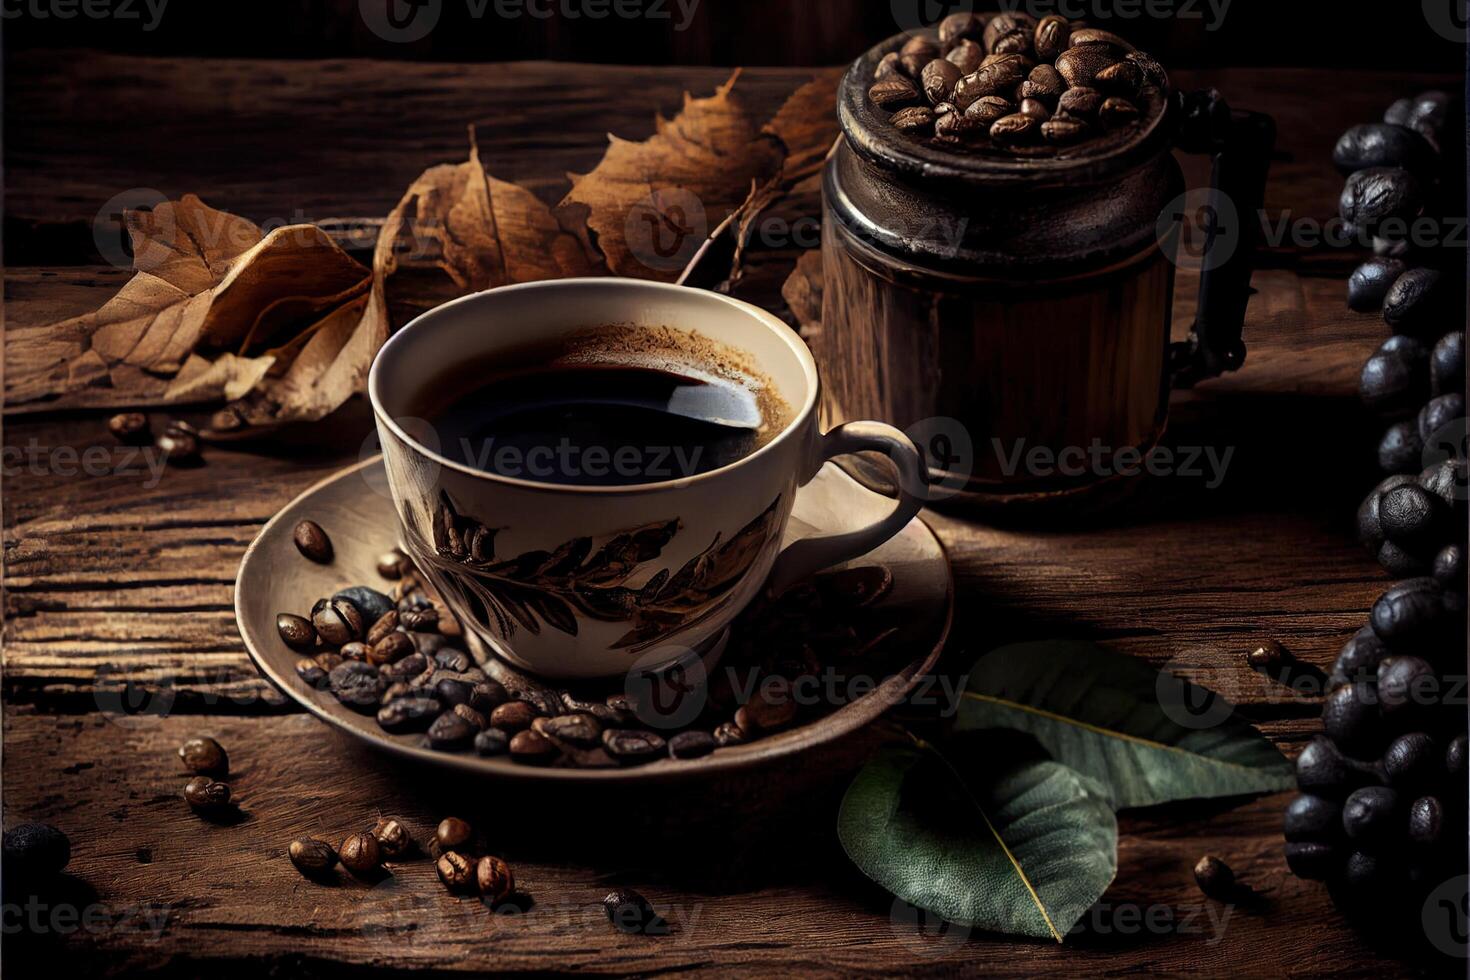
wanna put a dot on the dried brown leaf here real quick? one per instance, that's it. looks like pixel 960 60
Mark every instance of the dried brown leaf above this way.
pixel 803 293
pixel 806 125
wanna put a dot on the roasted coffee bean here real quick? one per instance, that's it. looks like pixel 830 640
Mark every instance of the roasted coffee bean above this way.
pixel 394 564
pixel 451 732
pixel 1014 129
pixel 453 692
pixel 888 67
pixel 1092 36
pixel 1269 656
pixel 337 621
pixel 1449 567
pixel 1426 821
pixel 961 26
pixel 629 912
pixel 1428 113
pixel 629 745
pixel 388 623
pixel 532 748
pixel 1045 83
pixel 456 871
pixel 494 879
pixel 1036 109
pixel 1053 34
pixel 1411 761
pixel 966 56
pixel 916 121
pixel 1323 770
pixel 456 661
pixel 1370 814
pixel 179 443
pixel 1400 450
pixel 409 669
pixel 312 542
pixel 129 428
pixel 894 93
pixel 296 632
pixel 1370 521
pixel 360 854
pixel 959 127
pixel 204 793
pixel 920 45
pixel 987 110
pixel 488 695
pixel 313 858
pixel 514 716
pixel 33 851
pixel 913 62
pixel 1016 42
pixel 355 650
pixel 1350 718
pixel 1080 65
pixel 1313 860
pixel 1447 364
pixel 472 716
pixel 1416 613
pixel 1406 685
pixel 1382 145
pixel 579 729
pixel 1418 303
pixel 1123 80
pixel 492 741
pixel 390 649
pixel 425 620
pixel 1448 480
pixel 1003 24
pixel 393 838
pixel 205 756
pixel 1153 72
pixel 373 604
pixel 1214 877
pixel 729 733
pixel 1378 194
pixel 1455 755
pixel 1370 282
pixel 453 833
pixel 1395 380
pixel 691 745
pixel 311 672
pixel 357 685
pixel 1311 817
pixel 769 708
pixel 1413 518
pixel 1115 112
pixel 408 714
pixel 939 77
pixel 1083 102
pixel 945 108
pixel 1064 130
pixel 999 77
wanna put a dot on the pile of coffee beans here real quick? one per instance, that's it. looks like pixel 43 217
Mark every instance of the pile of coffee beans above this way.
pixel 402 659
pixel 179 442
pixel 207 759
pixel 1011 83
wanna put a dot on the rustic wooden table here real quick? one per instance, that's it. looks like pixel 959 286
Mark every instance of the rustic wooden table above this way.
pixel 120 639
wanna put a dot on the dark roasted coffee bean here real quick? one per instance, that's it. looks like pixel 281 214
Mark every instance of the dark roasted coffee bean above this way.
pixel 630 912
pixel 514 716
pixel 410 669
pixel 453 692
pixel 729 733
pixel 487 695
pixel 987 110
pixel 454 660
pixel 1395 380
pixel 494 879
pixel 1311 817
pixel 390 649
pixel 920 45
pixel 451 732
pixel 1083 102
pixel 1382 145
pixel 1093 37
pixel 425 620
pixel 353 651
pixel 1397 114
pixel 410 714
pixel 1153 72
pixel 630 745
pixel 1378 194
pixel 579 729
pixel 887 67
pixel 939 77
pixel 945 108
pixel 1322 769
pixel 1359 658
pixel 337 621
pixel 394 564
pixel 691 745
pixel 129 428
pixel 33 851
pixel 1064 130
pixel 916 121
pixel 179 443
pixel 386 624
pixel 295 631
pixel 1000 77
pixel 373 604
pixel 1080 65
pixel 1426 821
pixel 357 685
pixel 1449 567
pixel 1448 481
pixel 1370 521
pixel 1400 450
pixel 1016 42
pixel 894 93
pixel 966 56
pixel 961 26
pixel 959 127
pixel 311 672
pixel 1416 613
pixel 205 756
pixel 312 542
pixel 1370 814
pixel 1269 656
pixel 204 793
pixel 1412 517
pixel 1214 877
pixel 1313 860
pixel 472 716
pixel 360 854
pixel 1412 761
pixel 1350 718
pixel 1123 80
pixel 1115 112
pixel 1014 129
pixel 1003 24
pixel 1036 109
pixel 1045 83
pixel 1418 303
pixel 1370 282
pixel 1455 755
pixel 1406 685
pixel 453 833
pixel 1447 364
pixel 456 872
pixel 913 63
pixel 1053 34
pixel 393 838
pixel 313 858
pixel 492 741
pixel 532 748
pixel 1398 562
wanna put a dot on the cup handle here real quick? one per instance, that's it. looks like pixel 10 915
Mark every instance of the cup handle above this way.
pixel 811 555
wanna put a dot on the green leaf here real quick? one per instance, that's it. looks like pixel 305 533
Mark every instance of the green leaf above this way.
pixel 1149 736
pixel 999 840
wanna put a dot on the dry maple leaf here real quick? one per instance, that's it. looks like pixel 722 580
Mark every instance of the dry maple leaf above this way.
pixel 806 125
pixel 651 204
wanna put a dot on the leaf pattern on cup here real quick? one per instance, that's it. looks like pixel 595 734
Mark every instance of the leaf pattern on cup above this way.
pixel 554 588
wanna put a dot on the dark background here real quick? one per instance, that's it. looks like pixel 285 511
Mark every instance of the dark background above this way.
pixel 1352 36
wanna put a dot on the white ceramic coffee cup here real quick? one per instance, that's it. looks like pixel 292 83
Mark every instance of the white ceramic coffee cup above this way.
pixel 587 581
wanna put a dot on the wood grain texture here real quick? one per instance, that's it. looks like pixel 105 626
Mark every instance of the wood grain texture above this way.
pixel 122 576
